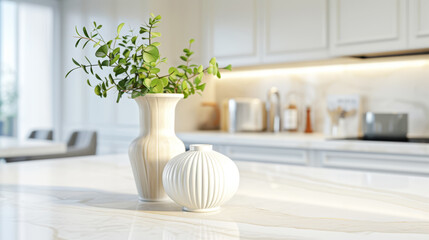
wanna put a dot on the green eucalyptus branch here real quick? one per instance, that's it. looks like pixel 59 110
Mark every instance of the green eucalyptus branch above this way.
pixel 132 67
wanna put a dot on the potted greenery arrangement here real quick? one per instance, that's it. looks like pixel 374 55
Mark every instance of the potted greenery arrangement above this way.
pixel 130 64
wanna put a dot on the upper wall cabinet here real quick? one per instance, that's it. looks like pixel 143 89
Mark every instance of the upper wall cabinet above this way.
pixel 295 30
pixel 232 31
pixel 249 32
pixel 367 26
pixel 418 23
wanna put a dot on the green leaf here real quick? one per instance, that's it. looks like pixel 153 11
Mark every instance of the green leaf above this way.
pixel 116 51
pixel 198 78
pixel 105 63
pixel 95 24
pixel 201 87
pixel 184 85
pixel 172 70
pixel 115 59
pixel 229 67
pixel 157 86
pixel 85 32
pixel 98 77
pixel 184 58
pixel 97 90
pixel 210 70
pixel 158 17
pixel 218 75
pixel 133 40
pixel 89 83
pixel 155 70
pixel 150 54
pixel 84 45
pixel 119 28
pixel 191 41
pixel 102 51
pixel 126 53
pixel 75 62
pixel 77 42
pixel 200 69
pixel 143 30
pixel 77 32
pixel 164 81
pixel 213 61
pixel 147 82
pixel 156 34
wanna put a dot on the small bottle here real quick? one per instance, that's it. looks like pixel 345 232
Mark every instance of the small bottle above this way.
pixel 308 128
pixel 290 115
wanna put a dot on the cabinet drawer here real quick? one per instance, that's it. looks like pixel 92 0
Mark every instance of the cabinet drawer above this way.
pixel 376 162
pixel 266 154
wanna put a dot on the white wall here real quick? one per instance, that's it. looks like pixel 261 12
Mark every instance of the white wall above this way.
pixel 117 124
pixel 386 85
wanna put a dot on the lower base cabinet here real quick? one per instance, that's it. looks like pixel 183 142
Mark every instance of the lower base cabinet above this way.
pixel 394 163
pixel 377 162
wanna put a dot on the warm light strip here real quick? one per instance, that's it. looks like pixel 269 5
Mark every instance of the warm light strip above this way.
pixel 324 69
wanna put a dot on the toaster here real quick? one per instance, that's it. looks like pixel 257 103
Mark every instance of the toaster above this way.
pixel 243 115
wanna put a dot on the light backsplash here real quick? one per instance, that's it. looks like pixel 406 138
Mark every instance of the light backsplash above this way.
pixel 398 86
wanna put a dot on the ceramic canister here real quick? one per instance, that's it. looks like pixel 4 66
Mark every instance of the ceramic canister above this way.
pixel 201 179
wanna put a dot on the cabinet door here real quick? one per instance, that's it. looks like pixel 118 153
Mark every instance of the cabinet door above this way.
pixel 232 30
pixel 396 163
pixel 367 26
pixel 267 154
pixel 419 24
pixel 295 30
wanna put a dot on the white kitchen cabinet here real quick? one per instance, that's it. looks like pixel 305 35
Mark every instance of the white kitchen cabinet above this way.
pixel 397 163
pixel 418 23
pixel 367 26
pixel 266 154
pixel 316 155
pixel 232 31
pixel 249 32
pixel 295 30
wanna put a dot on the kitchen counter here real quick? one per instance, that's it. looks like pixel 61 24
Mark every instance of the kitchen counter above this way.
pixel 95 198
pixel 313 141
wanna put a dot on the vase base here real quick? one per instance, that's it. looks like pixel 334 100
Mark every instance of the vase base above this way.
pixel 152 200
pixel 201 210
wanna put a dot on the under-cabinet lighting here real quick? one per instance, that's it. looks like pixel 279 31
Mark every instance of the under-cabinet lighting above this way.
pixel 260 73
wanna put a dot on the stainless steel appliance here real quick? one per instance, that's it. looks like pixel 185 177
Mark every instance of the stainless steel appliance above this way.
pixel 243 115
pixel 385 125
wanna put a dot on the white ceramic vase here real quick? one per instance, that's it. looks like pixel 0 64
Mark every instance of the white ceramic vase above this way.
pixel 201 179
pixel 156 144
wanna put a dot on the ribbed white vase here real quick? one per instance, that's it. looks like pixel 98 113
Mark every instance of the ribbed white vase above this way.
pixel 156 144
pixel 201 179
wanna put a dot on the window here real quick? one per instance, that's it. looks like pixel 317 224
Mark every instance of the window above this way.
pixel 27 66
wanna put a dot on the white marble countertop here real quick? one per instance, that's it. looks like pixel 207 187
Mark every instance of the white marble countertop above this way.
pixel 95 198
pixel 313 141
pixel 14 147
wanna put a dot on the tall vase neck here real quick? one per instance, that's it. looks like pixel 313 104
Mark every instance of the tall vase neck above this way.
pixel 157 113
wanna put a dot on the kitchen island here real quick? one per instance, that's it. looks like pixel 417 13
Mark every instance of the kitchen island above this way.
pixel 95 198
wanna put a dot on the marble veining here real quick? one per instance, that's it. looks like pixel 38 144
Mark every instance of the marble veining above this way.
pixel 95 198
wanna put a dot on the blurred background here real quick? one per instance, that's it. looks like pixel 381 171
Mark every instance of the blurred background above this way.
pixel 335 58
